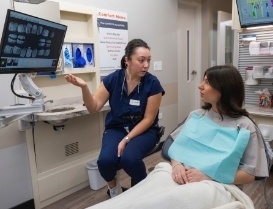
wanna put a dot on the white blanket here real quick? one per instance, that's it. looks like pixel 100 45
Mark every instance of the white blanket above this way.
pixel 159 191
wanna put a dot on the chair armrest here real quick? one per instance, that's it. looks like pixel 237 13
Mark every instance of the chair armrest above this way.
pixel 161 131
pixel 165 148
pixel 168 142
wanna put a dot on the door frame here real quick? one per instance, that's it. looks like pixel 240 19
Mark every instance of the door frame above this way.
pixel 198 77
pixel 223 19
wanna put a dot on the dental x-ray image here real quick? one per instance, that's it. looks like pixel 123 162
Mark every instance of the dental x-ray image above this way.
pixel 30 44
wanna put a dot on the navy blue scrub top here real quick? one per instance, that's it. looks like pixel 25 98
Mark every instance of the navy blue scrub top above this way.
pixel 122 113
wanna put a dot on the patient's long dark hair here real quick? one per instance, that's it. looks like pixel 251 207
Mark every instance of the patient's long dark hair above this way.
pixel 227 80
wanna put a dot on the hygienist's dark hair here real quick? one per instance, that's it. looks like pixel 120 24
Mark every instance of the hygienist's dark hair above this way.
pixel 130 49
pixel 227 80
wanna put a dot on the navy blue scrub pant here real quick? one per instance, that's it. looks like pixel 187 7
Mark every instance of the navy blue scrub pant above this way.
pixel 131 159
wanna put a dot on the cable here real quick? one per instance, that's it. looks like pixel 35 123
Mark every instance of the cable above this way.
pixel 12 89
pixel 268 201
pixel 269 156
pixel 33 138
pixel 270 152
pixel 267 153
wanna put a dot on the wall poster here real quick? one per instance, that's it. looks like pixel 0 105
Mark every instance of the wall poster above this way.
pixel 113 37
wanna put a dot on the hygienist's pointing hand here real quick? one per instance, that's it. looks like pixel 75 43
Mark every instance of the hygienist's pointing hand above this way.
pixel 75 80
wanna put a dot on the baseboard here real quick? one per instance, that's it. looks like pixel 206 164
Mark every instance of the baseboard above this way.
pixel 25 205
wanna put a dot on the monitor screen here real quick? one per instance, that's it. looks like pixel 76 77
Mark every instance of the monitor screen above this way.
pixel 30 44
pixel 255 12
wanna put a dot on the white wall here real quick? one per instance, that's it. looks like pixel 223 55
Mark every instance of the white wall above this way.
pixel 15 181
pixel 154 21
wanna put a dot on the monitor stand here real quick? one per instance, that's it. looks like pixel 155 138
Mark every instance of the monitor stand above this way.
pixel 11 114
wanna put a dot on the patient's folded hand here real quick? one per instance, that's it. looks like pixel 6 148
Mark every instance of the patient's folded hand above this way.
pixel 194 175
pixel 179 174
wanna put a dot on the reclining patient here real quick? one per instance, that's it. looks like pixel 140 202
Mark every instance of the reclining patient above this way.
pixel 217 148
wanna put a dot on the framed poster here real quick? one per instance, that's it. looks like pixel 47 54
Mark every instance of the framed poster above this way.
pixel 113 37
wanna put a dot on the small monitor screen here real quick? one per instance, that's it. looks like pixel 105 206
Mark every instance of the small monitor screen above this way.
pixel 255 12
pixel 30 44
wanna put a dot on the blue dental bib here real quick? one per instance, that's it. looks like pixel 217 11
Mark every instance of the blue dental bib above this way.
pixel 214 150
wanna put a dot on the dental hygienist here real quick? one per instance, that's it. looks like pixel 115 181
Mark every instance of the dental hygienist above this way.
pixel 131 126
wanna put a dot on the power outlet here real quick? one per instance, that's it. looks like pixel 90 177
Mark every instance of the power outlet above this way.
pixel 157 65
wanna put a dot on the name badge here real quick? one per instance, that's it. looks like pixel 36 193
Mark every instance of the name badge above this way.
pixel 134 102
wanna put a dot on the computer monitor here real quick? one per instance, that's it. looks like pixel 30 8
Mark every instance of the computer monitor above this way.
pixel 255 13
pixel 30 44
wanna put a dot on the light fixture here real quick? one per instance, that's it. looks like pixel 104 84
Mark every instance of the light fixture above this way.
pixel 259 27
pixel 30 1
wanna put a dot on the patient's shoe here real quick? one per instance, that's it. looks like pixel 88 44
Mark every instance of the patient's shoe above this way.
pixel 115 191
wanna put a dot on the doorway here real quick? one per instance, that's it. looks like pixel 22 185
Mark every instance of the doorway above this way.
pixel 189 57
pixel 225 39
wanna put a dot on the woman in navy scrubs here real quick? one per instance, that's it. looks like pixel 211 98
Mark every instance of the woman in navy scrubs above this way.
pixel 131 126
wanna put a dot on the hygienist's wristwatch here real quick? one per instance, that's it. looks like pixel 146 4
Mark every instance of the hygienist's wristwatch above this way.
pixel 127 139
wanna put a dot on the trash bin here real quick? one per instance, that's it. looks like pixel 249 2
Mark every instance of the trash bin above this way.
pixel 95 180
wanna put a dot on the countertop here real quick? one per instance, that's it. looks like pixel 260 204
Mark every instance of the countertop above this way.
pixel 73 106
pixel 259 111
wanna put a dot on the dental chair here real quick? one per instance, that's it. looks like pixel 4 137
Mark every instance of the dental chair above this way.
pixel 169 140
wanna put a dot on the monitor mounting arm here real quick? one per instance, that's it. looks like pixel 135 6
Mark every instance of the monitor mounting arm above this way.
pixel 30 87
pixel 13 113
